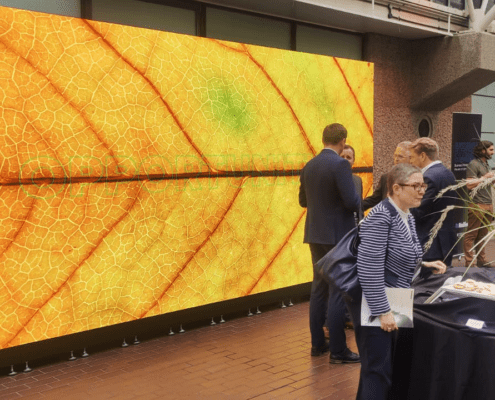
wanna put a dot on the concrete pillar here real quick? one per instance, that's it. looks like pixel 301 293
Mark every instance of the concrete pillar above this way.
pixel 398 84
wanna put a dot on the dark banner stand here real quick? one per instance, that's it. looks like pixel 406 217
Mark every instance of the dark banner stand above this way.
pixel 466 133
pixel 50 350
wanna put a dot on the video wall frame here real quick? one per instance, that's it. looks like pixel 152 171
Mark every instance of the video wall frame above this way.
pixel 144 172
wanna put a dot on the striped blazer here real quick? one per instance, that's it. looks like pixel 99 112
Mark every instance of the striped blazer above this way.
pixel 387 255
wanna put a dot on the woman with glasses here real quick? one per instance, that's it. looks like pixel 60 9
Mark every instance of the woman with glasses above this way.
pixel 388 256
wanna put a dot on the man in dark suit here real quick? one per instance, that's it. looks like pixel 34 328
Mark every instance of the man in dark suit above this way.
pixel 350 155
pixel 424 154
pixel 328 192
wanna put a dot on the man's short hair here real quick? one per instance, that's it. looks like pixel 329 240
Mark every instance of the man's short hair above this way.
pixel 334 133
pixel 400 174
pixel 404 145
pixel 427 146
pixel 348 146
pixel 480 149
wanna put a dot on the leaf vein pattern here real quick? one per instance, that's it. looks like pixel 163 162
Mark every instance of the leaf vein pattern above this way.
pixel 157 301
pixel 110 229
pixel 157 92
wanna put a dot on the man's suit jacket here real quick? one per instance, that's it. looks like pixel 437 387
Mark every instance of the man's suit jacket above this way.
pixel 379 194
pixel 358 183
pixel 328 192
pixel 437 177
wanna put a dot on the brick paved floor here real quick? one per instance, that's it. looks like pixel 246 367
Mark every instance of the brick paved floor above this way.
pixel 260 357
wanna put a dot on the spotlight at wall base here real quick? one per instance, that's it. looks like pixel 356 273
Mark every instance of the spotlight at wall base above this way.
pixel 12 372
pixel 27 369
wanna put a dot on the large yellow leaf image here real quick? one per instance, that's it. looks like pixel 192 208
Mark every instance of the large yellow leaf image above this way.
pixel 146 172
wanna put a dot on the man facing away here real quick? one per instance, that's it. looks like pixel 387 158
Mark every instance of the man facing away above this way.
pixel 477 171
pixel 424 155
pixel 328 192
pixel 401 155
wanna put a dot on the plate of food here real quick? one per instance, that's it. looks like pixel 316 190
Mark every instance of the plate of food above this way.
pixel 472 288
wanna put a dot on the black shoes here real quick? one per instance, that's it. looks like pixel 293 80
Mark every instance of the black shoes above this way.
pixel 346 357
pixel 318 351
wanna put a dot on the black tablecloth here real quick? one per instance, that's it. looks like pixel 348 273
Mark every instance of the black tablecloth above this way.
pixel 446 359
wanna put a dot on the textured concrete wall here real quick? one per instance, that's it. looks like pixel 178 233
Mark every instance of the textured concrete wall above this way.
pixel 447 69
pixel 394 118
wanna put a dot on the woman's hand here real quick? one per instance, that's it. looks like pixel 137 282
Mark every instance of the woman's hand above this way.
pixel 387 322
pixel 437 266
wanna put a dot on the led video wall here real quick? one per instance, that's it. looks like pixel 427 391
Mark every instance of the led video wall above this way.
pixel 144 172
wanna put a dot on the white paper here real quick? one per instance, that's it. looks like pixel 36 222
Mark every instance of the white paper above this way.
pixel 401 302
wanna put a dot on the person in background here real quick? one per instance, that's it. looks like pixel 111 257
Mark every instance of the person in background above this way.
pixel 424 155
pixel 350 155
pixel 477 171
pixel 401 155
pixel 328 193
pixel 388 255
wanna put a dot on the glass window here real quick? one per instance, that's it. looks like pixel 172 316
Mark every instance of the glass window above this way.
pixel 459 4
pixel 487 91
pixel 324 41
pixel 442 2
pixel 483 102
pixel 145 15
pixel 69 8
pixel 246 28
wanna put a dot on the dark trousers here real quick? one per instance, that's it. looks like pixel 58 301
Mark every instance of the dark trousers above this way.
pixel 325 304
pixel 376 348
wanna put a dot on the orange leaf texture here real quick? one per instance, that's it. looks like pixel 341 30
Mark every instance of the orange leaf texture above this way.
pixel 145 172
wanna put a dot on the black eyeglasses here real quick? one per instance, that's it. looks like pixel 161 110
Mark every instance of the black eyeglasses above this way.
pixel 417 186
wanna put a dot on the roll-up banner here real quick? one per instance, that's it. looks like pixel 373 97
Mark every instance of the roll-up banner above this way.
pixel 466 133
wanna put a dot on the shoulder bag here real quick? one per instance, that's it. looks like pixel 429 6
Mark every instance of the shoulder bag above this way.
pixel 339 266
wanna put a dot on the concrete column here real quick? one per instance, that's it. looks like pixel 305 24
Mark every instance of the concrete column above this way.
pixel 397 84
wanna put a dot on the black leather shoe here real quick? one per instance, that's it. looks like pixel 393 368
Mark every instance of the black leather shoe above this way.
pixel 346 357
pixel 318 351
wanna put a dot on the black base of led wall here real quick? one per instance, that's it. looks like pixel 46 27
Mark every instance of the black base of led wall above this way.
pixel 42 352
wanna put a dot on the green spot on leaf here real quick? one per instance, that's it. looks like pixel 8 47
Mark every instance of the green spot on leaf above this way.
pixel 230 106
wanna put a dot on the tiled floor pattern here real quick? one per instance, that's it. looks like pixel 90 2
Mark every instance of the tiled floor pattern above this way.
pixel 260 357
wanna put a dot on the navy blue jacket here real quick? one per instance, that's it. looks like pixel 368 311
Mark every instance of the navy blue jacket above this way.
pixel 380 193
pixel 328 191
pixel 428 213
